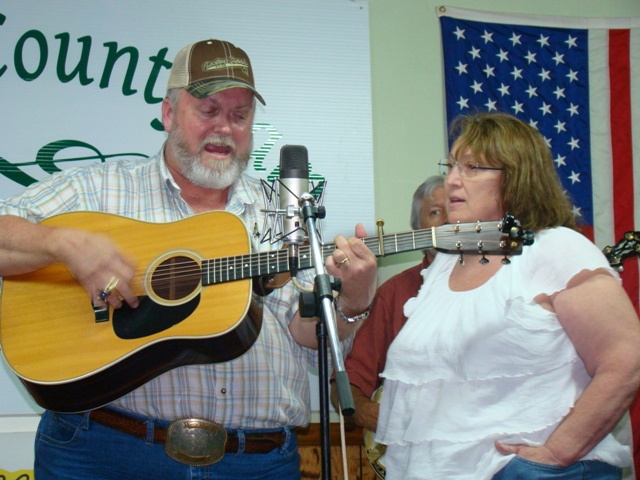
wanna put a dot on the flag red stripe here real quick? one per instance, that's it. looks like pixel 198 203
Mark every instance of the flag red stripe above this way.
pixel 622 148
pixel 623 199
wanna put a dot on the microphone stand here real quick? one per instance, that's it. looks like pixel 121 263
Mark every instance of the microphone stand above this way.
pixel 320 303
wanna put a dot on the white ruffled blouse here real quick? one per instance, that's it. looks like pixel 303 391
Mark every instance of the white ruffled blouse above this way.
pixel 469 368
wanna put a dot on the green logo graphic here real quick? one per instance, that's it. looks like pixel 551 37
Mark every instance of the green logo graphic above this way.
pixel 33 53
pixel 51 155
pixel 45 159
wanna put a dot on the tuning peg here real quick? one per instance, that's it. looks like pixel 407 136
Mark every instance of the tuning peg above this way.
pixel 505 261
pixel 507 223
pixel 528 238
pixel 483 260
pixel 461 259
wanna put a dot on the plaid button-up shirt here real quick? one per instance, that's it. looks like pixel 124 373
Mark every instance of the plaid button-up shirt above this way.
pixel 268 386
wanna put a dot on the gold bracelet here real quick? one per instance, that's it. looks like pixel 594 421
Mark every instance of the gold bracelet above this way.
pixel 354 319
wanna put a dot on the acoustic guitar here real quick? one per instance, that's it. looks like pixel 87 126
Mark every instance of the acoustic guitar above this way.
pixel 628 246
pixel 194 284
pixel 372 449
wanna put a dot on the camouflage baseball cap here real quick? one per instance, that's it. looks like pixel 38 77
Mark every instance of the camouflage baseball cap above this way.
pixel 210 66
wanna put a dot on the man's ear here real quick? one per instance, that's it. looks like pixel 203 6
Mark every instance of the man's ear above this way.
pixel 167 114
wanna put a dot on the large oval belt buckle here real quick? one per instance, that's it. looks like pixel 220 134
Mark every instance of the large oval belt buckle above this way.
pixel 195 441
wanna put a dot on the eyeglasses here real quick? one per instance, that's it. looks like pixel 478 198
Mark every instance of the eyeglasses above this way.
pixel 467 170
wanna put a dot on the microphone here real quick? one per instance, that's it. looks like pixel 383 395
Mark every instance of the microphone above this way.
pixel 294 181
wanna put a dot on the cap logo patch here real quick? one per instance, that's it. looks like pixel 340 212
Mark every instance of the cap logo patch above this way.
pixel 223 63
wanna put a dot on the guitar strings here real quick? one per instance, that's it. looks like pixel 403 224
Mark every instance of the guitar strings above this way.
pixel 243 266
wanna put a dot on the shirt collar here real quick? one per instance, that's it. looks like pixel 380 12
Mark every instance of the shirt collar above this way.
pixel 165 175
pixel 241 194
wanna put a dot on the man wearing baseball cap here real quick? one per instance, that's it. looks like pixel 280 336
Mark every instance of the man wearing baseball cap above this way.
pixel 211 413
pixel 211 66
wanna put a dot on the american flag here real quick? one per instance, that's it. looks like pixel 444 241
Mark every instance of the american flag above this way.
pixel 577 81
pixel 576 86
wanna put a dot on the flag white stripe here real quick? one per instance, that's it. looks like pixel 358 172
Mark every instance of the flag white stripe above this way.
pixel 537 20
pixel 601 156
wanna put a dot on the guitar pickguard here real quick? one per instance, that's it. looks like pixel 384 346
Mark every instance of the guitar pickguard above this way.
pixel 150 318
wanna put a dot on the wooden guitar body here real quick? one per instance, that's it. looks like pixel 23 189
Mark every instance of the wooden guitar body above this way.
pixel 69 361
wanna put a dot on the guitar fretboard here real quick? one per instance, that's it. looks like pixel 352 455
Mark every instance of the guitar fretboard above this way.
pixel 252 265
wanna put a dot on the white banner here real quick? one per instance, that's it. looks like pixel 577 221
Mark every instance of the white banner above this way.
pixel 82 82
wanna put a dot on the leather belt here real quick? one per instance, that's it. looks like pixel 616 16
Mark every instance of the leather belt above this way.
pixel 253 443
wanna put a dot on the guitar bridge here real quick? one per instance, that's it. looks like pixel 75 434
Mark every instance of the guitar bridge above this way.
pixel 101 314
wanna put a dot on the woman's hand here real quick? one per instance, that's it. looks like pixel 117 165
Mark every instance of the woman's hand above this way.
pixel 535 454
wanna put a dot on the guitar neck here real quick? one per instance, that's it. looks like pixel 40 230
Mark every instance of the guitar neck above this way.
pixel 220 270
pixel 503 237
pixel 389 244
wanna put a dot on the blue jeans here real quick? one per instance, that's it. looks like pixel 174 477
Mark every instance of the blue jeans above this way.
pixel 522 469
pixel 72 447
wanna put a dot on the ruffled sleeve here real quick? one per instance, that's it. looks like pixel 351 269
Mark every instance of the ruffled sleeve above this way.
pixel 557 256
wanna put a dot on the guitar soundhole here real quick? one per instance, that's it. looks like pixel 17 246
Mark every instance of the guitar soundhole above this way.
pixel 176 278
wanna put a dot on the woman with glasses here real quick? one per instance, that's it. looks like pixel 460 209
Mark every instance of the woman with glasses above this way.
pixel 513 370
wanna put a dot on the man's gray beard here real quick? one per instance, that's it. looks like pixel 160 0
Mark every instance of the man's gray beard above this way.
pixel 216 175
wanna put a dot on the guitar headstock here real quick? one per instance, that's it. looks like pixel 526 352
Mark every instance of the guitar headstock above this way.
pixel 505 237
pixel 627 247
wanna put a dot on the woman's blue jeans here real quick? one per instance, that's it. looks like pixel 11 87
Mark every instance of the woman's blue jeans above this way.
pixel 72 447
pixel 522 469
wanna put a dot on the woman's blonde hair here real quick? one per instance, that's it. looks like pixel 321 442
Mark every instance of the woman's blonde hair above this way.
pixel 530 189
